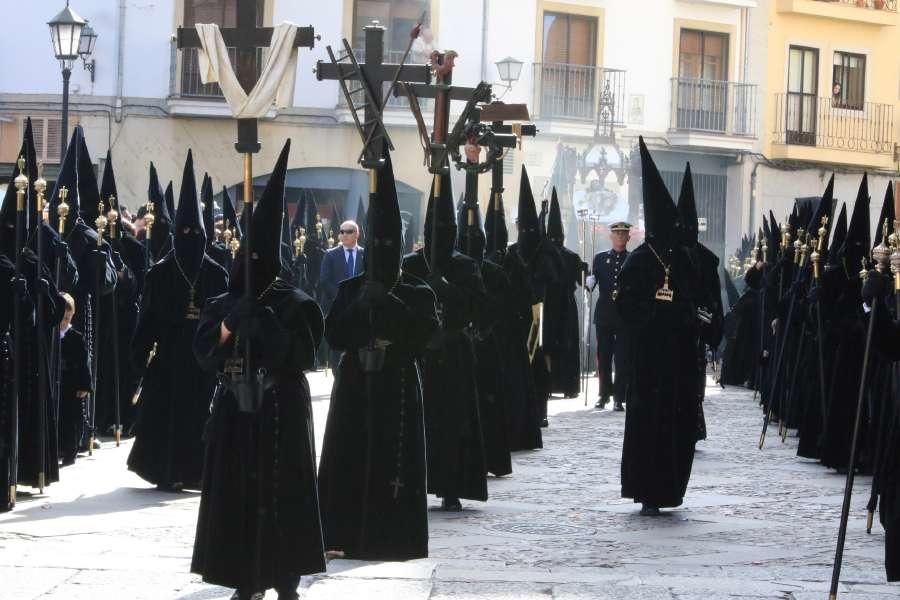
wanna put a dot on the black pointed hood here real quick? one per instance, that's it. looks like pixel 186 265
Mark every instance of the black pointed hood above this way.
pixel 497 236
pixel 730 289
pixel 88 190
pixel 555 231
pixel 527 221
pixel 887 214
pixel 299 214
pixel 108 191
pixel 31 170
pixel 170 199
pixel 362 221
pixel 824 210
pixel 840 230
pixel 384 251
pixel 265 233
pixel 661 223
pixel 471 240
pixel 440 223
pixel 8 211
pixel 67 178
pixel 161 233
pixel 229 216
pixel 857 243
pixel 209 209
pixel 687 210
pixel 190 237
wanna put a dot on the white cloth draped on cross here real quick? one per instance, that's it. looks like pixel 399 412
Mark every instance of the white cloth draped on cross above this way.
pixel 275 84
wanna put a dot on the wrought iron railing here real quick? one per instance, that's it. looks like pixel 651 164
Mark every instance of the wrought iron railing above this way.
pixel 810 121
pixel 578 92
pixel 192 87
pixel 890 5
pixel 707 105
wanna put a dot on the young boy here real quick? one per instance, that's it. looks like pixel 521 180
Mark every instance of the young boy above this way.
pixel 75 385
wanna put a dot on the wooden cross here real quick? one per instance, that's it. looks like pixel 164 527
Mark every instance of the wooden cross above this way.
pixel 443 92
pixel 246 37
pixel 375 73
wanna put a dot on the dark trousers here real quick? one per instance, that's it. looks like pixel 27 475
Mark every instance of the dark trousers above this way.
pixel 610 351
pixel 72 419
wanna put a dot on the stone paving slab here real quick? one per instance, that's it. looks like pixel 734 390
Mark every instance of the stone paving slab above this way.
pixel 755 524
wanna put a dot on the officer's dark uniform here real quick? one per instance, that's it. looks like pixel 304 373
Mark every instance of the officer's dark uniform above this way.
pixel 609 327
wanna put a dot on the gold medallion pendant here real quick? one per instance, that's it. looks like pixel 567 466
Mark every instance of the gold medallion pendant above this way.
pixel 192 313
pixel 665 293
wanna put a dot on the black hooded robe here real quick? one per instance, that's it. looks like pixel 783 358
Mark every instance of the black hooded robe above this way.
pixel 561 338
pixel 174 402
pixel 663 381
pixel 282 430
pixel 379 515
pixel 456 459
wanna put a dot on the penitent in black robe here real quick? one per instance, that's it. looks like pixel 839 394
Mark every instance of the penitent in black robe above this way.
pixel 561 339
pixel 493 383
pixel 663 381
pixel 523 413
pixel 174 402
pixel 372 470
pixel 456 460
pixel 31 420
pixel 282 429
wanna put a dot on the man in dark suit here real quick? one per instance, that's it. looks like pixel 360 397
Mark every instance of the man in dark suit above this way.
pixel 341 262
pixel 607 322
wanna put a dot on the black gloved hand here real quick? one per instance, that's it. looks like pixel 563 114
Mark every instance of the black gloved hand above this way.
pixel 875 286
pixel 43 287
pixel 20 287
pixel 239 313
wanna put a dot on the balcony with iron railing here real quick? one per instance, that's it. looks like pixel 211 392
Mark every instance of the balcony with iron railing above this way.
pixel 725 108
pixel 193 87
pixel 873 12
pixel 401 101
pixel 578 93
pixel 804 123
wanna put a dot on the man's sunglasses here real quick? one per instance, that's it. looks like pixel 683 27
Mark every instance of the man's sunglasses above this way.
pixel 347 231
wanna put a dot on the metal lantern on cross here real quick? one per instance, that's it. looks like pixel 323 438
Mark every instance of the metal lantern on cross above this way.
pixel 509 69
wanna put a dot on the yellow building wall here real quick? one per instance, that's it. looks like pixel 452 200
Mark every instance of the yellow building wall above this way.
pixel 880 43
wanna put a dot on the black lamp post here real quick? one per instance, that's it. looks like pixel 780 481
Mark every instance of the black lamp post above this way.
pixel 65 34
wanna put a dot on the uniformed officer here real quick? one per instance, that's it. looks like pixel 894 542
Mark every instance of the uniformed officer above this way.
pixel 607 322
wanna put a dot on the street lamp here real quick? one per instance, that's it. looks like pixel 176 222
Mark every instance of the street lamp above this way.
pixel 86 48
pixel 65 34
pixel 509 69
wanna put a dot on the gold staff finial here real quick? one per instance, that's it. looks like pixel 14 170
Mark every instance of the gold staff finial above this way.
pixel 40 188
pixel 113 217
pixel 299 241
pixel 149 219
pixel 233 244
pixel 21 183
pixel 100 222
pixel 62 211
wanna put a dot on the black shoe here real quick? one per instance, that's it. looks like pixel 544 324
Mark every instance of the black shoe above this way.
pixel 601 403
pixel 451 504
pixel 288 595
pixel 648 510
pixel 239 595
pixel 617 406
pixel 545 423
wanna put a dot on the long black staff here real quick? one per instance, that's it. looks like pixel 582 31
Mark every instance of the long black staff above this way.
pixel 880 256
pixel 894 241
pixel 816 257
pixel 112 218
pixel 801 247
pixel 149 219
pixel 62 212
pixel 21 183
pixel 44 382
pixel 769 403
pixel 758 380
pixel 100 266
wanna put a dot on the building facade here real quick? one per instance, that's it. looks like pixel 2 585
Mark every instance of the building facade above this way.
pixel 705 81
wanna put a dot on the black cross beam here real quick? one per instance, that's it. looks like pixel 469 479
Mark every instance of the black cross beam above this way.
pixel 246 37
pixel 375 73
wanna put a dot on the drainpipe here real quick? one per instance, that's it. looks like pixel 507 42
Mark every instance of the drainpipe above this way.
pixel 484 20
pixel 753 190
pixel 120 64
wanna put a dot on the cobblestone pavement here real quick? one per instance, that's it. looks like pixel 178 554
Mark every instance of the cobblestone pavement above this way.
pixel 754 525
